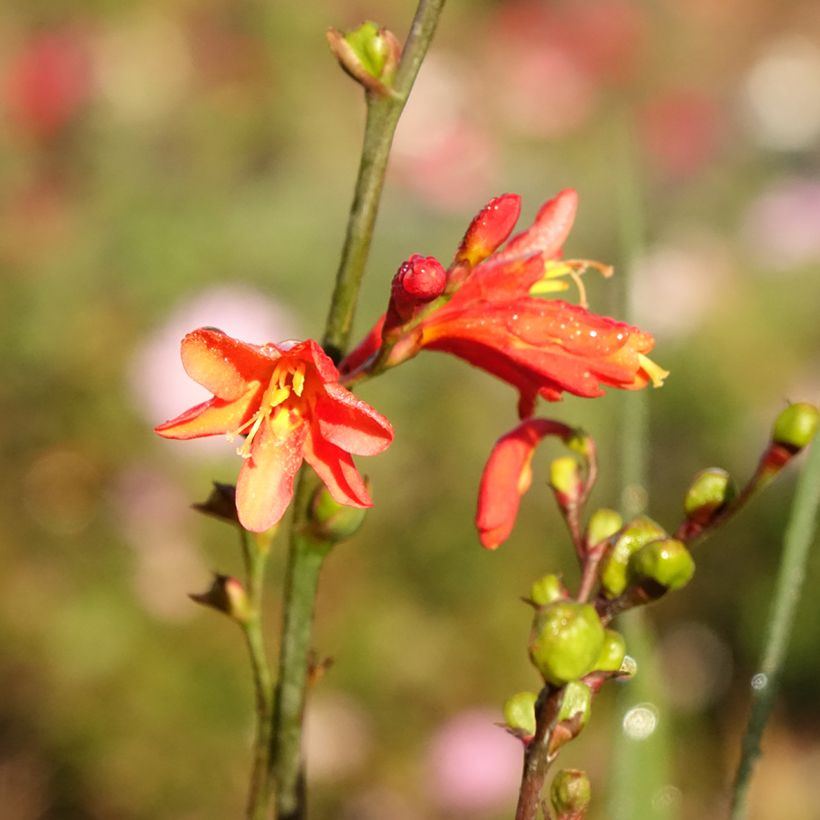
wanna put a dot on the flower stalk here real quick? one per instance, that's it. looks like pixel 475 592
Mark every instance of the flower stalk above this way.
pixel 306 553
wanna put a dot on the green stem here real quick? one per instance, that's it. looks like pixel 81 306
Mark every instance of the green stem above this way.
pixel 255 554
pixel 537 758
pixel 305 559
pixel 797 542
pixel 383 114
pixel 306 554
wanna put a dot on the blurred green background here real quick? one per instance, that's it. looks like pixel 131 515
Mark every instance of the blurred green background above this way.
pixel 165 165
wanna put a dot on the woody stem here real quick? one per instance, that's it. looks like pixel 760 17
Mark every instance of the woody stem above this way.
pixel 306 554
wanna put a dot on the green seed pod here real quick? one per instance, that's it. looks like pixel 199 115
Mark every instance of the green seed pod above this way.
pixel 796 426
pixel 547 589
pixel 570 794
pixel 710 491
pixel 566 641
pixel 603 524
pixel 332 521
pixel 666 561
pixel 612 653
pixel 576 703
pixel 519 713
pixel 613 570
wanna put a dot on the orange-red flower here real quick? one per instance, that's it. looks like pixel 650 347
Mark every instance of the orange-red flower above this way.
pixel 508 475
pixel 490 311
pixel 287 402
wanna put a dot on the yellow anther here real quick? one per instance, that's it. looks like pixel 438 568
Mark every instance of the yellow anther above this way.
pixel 299 379
pixel 655 372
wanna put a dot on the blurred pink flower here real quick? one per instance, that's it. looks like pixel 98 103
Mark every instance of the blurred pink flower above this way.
pixel 781 225
pixel 159 385
pixel 473 764
pixel 441 151
pixel 682 131
pixel 48 81
pixel 549 63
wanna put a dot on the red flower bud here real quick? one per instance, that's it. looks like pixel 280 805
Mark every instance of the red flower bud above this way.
pixel 417 281
pixel 489 229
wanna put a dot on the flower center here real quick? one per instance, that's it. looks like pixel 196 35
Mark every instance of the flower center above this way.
pixel 281 402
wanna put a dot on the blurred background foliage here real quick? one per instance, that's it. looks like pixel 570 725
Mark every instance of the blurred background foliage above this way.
pixel 169 165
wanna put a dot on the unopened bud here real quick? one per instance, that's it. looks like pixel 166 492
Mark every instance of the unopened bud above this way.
pixel 489 229
pixel 519 713
pixel 418 281
pixel 547 589
pixel 614 569
pixel 603 524
pixel 576 703
pixel 226 594
pixel 796 426
pixel 332 521
pixel 709 493
pixel 369 54
pixel 667 562
pixel 566 641
pixel 613 652
pixel 565 479
pixel 570 794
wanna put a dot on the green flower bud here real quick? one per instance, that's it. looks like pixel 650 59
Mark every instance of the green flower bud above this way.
pixel 369 54
pixel 612 653
pixel 576 703
pixel 796 426
pixel 519 713
pixel 547 589
pixel 603 524
pixel 566 641
pixel 332 521
pixel 710 491
pixel 570 794
pixel 614 569
pixel 565 477
pixel 666 561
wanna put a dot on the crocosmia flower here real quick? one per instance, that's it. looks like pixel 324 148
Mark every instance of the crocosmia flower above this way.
pixel 492 313
pixel 287 402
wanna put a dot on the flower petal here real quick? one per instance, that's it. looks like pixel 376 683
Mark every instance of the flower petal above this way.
pixel 350 423
pixel 507 476
pixel 212 417
pixel 265 485
pixel 547 234
pixel 223 365
pixel 336 469
pixel 489 229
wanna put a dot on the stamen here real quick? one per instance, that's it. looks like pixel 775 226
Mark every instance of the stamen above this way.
pixel 655 372
pixel 574 269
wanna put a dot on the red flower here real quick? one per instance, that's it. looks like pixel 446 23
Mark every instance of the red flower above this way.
pixel 491 314
pixel 287 402
pixel 508 475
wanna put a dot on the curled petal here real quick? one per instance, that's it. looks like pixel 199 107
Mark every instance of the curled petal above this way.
pixel 548 233
pixel 350 423
pixel 507 476
pixel 211 418
pixel 338 472
pixel 265 485
pixel 224 365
